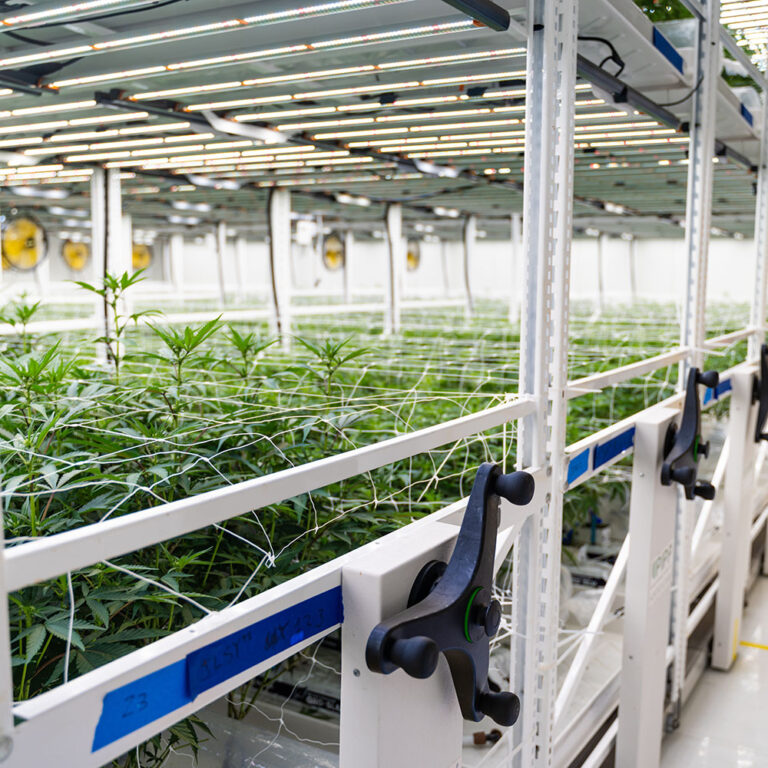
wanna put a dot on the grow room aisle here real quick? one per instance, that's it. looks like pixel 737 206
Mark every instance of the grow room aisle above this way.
pixel 723 723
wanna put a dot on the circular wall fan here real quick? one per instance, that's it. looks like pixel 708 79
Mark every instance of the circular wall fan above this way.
pixel 333 252
pixel 75 255
pixel 413 256
pixel 24 243
pixel 142 256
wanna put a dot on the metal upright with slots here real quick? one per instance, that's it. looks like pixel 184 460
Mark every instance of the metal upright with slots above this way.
pixel 571 713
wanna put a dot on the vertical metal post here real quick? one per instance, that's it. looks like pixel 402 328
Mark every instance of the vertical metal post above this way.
pixel 6 674
pixel 648 588
pixel 349 246
pixel 444 261
pixel 240 259
pixel 43 269
pixel 698 215
pixel 221 249
pixel 470 238
pixel 176 257
pixel 124 257
pixel 106 231
pixel 600 273
pixel 514 294
pixel 633 269
pixel 737 520
pixel 279 216
pixel 757 314
pixel 396 264
pixel 697 235
pixel 548 230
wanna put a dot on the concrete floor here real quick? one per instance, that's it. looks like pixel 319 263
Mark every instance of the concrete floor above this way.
pixel 725 722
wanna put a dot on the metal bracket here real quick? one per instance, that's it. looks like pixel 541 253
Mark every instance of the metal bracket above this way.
pixel 451 609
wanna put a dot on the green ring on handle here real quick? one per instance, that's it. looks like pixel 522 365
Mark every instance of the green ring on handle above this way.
pixel 466 614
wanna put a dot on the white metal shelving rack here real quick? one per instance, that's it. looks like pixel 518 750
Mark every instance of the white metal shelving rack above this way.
pixel 102 714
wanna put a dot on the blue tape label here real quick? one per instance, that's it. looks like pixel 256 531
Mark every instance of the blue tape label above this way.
pixel 143 701
pixel 239 651
pixel 667 50
pixel 578 465
pixel 613 447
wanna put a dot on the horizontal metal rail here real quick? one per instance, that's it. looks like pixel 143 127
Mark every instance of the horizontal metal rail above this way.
pixel 138 695
pixel 595 453
pixel 231 315
pixel 52 556
pixel 599 381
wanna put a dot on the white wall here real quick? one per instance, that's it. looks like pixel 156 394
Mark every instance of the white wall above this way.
pixel 659 270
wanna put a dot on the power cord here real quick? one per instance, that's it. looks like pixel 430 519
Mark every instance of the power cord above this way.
pixel 612 56
pixel 686 97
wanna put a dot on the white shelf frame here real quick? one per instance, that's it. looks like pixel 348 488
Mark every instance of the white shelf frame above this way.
pixel 30 730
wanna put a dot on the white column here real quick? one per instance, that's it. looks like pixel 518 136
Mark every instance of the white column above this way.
pixel 397 254
pixel 240 268
pixel 176 259
pixel 124 255
pixel 349 246
pixel 43 269
pixel 470 239
pixel 221 249
pixel 633 269
pixel 737 521
pixel 757 314
pixel 125 252
pixel 600 249
pixel 516 271
pixel 106 231
pixel 444 261
pixel 279 214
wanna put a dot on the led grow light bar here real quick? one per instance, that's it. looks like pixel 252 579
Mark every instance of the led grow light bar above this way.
pixel 460 80
pixel 57 124
pixel 69 9
pixel 362 69
pixel 407 33
pixel 177 33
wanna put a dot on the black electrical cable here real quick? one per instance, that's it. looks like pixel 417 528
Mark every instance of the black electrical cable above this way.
pixel 25 39
pixel 614 55
pixel 686 97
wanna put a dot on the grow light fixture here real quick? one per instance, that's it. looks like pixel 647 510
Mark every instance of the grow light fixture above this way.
pixel 362 69
pixel 45 194
pixel 183 205
pixel 190 221
pixel 304 12
pixel 407 33
pixel 203 181
pixel 355 91
pixel 435 170
pixel 68 9
pixel 345 199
